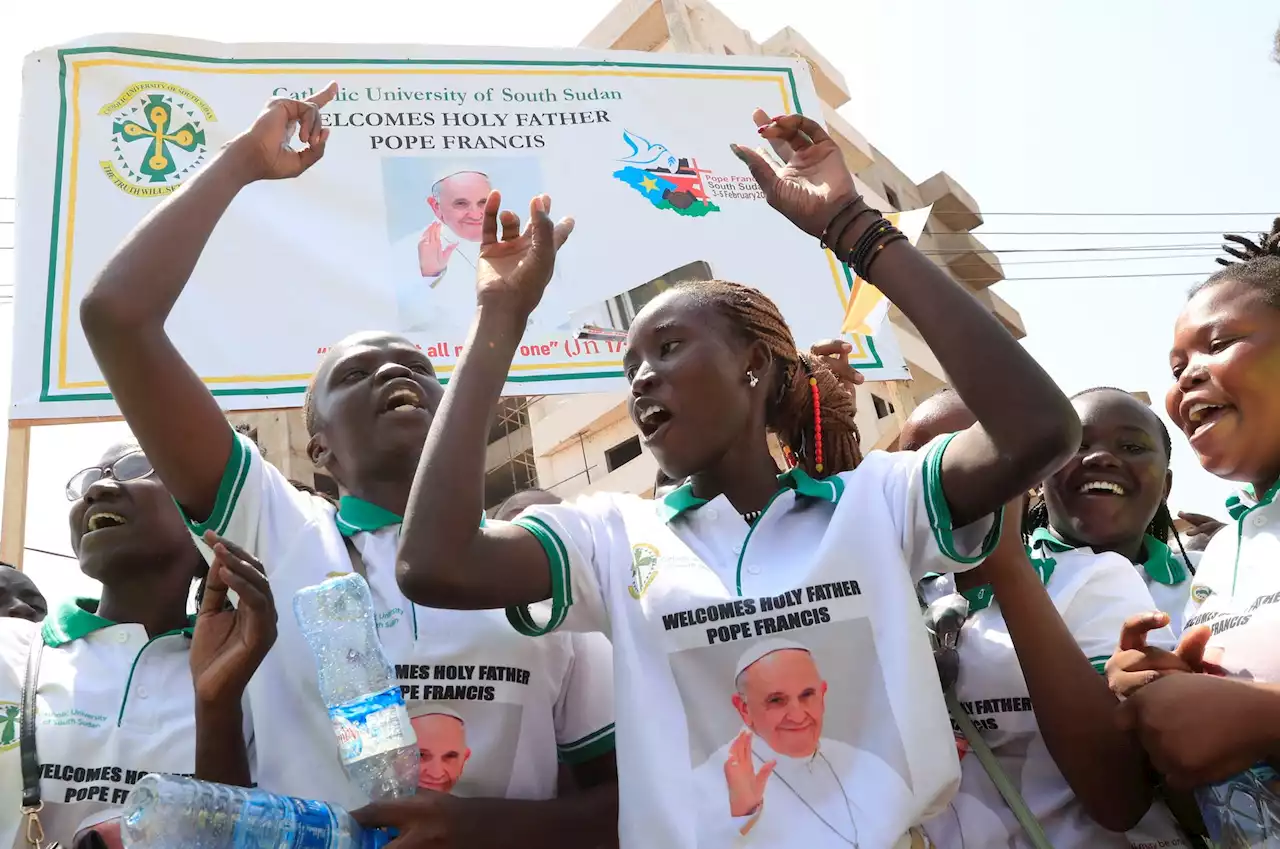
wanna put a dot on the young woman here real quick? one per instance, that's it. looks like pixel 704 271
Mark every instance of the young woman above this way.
pixel 1220 729
pixel 527 704
pixel 122 681
pixel 1039 625
pixel 745 602
pixel 1112 497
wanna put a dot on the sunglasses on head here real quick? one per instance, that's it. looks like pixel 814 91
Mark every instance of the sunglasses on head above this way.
pixel 944 620
pixel 130 467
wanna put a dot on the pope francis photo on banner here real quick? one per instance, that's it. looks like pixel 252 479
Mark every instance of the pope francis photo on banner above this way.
pixel 435 269
pixel 779 782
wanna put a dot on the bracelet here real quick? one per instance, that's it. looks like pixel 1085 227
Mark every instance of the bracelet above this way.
pixel 893 237
pixel 883 233
pixel 835 246
pixel 865 241
pixel 826 231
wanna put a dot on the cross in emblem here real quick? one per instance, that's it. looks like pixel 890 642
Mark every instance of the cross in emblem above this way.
pixel 159 163
pixel 9 724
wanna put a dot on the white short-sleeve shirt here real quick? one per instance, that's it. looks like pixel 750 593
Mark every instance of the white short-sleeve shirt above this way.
pixel 1094 594
pixel 687 590
pixel 526 704
pixel 112 705
pixel 1236 593
pixel 1165 574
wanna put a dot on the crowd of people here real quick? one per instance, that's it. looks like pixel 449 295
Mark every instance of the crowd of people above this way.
pixel 991 637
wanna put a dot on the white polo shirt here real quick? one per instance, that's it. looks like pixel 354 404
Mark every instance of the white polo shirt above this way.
pixel 526 703
pixel 1164 573
pixel 1236 592
pixel 112 706
pixel 1093 593
pixel 683 586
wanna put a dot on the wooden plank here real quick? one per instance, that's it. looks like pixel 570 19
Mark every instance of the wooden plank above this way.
pixel 13 525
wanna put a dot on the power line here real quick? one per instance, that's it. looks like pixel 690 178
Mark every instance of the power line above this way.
pixel 984 233
pixel 1096 249
pixel 1208 255
pixel 1103 276
pixel 50 553
pixel 1272 214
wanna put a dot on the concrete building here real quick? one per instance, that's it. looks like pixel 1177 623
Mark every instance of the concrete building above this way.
pixel 577 444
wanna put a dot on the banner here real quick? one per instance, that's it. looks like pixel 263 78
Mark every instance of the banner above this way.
pixel 384 232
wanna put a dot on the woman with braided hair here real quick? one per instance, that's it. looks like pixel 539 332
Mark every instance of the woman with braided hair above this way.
pixel 748 599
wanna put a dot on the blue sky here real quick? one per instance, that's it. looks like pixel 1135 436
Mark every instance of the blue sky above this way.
pixel 1053 106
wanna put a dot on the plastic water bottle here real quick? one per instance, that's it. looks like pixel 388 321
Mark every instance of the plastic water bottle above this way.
pixel 165 811
pixel 1243 812
pixel 375 740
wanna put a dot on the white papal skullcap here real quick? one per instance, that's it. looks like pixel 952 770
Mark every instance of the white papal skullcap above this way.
pixel 763 649
pixel 456 171
pixel 428 709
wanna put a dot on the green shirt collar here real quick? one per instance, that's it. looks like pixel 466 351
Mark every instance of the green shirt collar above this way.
pixel 681 499
pixel 1161 566
pixel 1242 502
pixel 356 515
pixel 78 618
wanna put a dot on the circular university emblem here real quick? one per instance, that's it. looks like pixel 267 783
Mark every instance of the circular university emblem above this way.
pixel 157 138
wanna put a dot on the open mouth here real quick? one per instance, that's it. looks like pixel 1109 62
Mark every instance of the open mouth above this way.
pixel 402 400
pixel 651 417
pixel 98 521
pixel 1104 488
pixel 1203 416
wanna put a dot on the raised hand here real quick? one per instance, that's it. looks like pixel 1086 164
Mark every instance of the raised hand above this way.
pixel 746 786
pixel 814 182
pixel 229 643
pixel 835 352
pixel 1135 664
pixel 265 145
pixel 433 253
pixel 514 270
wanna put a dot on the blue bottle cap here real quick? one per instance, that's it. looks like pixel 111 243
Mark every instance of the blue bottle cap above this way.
pixel 379 837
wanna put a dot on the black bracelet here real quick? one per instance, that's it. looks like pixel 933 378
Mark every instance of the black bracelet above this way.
pixel 893 237
pixel 827 230
pixel 860 261
pixel 835 246
pixel 865 241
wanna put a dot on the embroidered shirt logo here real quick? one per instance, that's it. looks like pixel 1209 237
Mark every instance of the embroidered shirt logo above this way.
pixel 1200 592
pixel 644 568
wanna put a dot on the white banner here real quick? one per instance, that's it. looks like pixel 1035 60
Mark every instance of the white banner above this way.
pixel 383 233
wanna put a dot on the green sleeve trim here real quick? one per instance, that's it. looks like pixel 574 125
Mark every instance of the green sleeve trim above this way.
pixel 935 502
pixel 561 591
pixel 233 478
pixel 1099 663
pixel 594 745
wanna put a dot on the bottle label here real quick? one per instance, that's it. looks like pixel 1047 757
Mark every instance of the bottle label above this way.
pixel 372 725
pixel 315 825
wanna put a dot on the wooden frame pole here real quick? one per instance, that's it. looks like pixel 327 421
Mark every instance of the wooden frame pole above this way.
pixel 13 524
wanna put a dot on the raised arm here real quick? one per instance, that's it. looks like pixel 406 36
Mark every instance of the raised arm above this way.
pixel 1075 709
pixel 1026 427
pixel 174 417
pixel 445 558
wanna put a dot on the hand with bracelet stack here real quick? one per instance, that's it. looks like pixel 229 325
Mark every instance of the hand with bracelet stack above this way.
pixel 816 192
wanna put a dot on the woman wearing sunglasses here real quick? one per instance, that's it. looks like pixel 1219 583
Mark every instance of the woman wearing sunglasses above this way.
pixel 121 681
pixel 1022 640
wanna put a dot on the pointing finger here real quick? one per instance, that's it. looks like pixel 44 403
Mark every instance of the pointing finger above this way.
pixel 321 98
pixel 489 230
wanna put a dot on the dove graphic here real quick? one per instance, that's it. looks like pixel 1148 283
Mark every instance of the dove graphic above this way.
pixel 644 153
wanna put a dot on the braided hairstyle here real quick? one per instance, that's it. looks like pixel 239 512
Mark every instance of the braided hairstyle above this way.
pixel 1161 525
pixel 1258 265
pixel 811 413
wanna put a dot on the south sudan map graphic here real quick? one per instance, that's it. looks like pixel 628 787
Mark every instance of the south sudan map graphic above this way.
pixel 665 180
